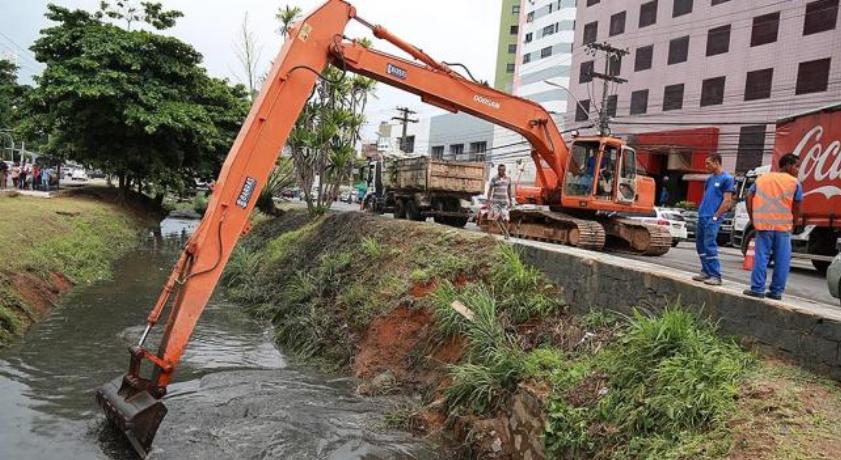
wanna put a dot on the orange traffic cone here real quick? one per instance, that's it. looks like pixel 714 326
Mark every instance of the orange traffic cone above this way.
pixel 750 255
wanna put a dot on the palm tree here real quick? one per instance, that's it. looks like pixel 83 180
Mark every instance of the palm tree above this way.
pixel 287 16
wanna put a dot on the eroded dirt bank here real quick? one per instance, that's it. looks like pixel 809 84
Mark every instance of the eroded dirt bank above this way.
pixel 49 245
pixel 509 372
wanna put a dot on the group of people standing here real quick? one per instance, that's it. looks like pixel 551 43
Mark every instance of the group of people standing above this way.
pixel 23 177
pixel 773 204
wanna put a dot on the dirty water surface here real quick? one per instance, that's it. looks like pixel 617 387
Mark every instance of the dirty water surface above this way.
pixel 235 395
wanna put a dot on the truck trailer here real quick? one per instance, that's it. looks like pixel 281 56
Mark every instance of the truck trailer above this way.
pixel 419 187
pixel 815 137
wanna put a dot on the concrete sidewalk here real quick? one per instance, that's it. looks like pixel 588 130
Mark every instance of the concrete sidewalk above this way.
pixel 806 332
pixel 32 193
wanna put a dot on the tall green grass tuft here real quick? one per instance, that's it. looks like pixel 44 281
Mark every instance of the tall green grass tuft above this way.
pixel 669 378
pixel 523 291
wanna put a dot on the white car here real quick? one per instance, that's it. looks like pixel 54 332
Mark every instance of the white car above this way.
pixel 670 218
pixel 79 174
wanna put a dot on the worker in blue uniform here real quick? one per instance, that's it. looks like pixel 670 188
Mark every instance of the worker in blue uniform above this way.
pixel 718 195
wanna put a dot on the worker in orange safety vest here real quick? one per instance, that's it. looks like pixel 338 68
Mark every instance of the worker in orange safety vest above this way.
pixel 773 204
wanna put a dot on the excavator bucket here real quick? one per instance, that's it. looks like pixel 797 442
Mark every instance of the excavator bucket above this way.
pixel 136 413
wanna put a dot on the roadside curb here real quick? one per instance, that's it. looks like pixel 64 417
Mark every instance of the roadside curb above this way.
pixel 806 332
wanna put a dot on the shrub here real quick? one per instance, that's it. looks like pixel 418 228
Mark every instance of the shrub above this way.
pixel 523 291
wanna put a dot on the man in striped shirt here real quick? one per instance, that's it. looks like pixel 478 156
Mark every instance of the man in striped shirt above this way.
pixel 500 197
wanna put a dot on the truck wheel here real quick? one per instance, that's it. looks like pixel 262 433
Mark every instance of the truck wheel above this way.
pixel 458 222
pixel 821 266
pixel 400 209
pixel 412 211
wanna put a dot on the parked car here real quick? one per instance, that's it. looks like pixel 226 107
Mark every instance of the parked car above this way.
pixel 691 218
pixel 476 204
pixel 78 174
pixel 725 230
pixel 670 218
pixel 833 275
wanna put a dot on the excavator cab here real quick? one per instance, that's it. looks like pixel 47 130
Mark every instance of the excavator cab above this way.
pixel 601 171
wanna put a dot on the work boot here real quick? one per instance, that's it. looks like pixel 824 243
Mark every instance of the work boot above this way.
pixel 712 281
pixel 752 293
pixel 774 296
pixel 701 277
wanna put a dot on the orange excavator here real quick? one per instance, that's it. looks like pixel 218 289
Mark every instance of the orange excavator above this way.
pixel 586 187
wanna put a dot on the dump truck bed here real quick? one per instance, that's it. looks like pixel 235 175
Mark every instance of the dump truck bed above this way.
pixel 423 174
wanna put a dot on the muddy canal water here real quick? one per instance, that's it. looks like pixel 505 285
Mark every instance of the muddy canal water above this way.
pixel 235 397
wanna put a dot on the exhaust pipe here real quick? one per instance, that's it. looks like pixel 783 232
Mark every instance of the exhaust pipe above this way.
pixel 135 412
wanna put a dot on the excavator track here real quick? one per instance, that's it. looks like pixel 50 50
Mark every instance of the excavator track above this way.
pixel 635 237
pixel 552 227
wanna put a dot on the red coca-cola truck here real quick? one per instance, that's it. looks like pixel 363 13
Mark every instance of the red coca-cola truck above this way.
pixel 815 137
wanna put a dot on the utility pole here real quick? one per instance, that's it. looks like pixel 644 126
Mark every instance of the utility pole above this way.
pixel 405 120
pixel 610 54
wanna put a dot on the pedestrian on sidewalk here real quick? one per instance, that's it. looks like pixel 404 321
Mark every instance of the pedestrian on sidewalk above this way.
pixel 4 172
pixel 773 204
pixel 15 175
pixel 36 177
pixel 500 198
pixel 45 179
pixel 718 194
pixel 22 176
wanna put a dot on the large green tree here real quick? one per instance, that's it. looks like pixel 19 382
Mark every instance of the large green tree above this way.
pixel 11 94
pixel 132 102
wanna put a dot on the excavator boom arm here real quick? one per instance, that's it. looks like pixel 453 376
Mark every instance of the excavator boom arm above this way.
pixel 132 402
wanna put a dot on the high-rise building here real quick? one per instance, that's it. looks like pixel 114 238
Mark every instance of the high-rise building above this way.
pixel 543 61
pixel 509 28
pixel 705 76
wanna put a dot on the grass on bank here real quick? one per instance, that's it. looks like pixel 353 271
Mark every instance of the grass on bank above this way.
pixel 664 386
pixel 75 237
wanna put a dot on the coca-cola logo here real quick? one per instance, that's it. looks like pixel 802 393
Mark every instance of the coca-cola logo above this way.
pixel 818 163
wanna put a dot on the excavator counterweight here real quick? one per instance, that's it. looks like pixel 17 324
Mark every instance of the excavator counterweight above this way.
pixel 584 187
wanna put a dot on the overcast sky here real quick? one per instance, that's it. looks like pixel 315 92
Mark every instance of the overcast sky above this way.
pixel 450 30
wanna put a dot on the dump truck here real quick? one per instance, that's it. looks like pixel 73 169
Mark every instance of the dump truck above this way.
pixel 815 137
pixel 416 188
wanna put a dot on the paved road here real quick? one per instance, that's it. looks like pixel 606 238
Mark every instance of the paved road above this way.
pixel 803 281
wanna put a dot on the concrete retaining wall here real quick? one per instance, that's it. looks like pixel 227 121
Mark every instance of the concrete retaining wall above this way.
pixel 808 334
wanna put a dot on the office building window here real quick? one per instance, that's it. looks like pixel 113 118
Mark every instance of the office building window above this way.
pixel 612 101
pixel 582 110
pixel 515 9
pixel 820 16
pixel 478 147
pixel 648 14
pixel 681 7
pixel 615 67
pixel 512 49
pixel 526 58
pixel 546 52
pixel 549 30
pixel 673 97
pixel 456 149
pixel 591 32
pixel 639 102
pixel 813 76
pixel 751 148
pixel 716 2
pixel 718 40
pixel 765 29
pixel 617 24
pixel 530 17
pixel 514 30
pixel 529 37
pixel 592 2
pixel 437 152
pixel 712 91
pixel 509 68
pixel 678 50
pixel 643 58
pixel 758 84
pixel 585 75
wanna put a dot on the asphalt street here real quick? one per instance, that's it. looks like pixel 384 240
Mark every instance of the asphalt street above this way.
pixel 803 281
